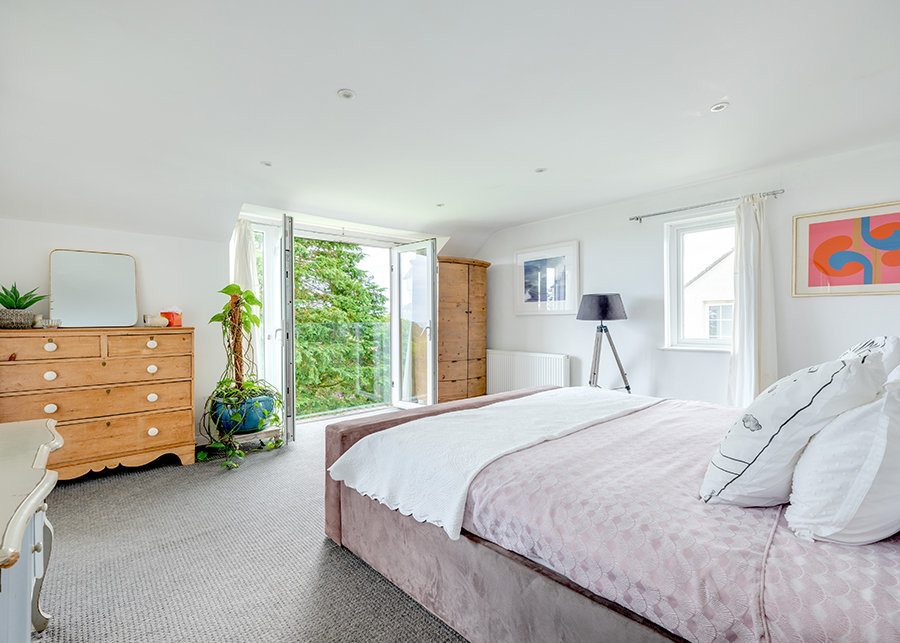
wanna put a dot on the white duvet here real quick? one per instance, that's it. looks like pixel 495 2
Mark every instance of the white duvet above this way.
pixel 424 468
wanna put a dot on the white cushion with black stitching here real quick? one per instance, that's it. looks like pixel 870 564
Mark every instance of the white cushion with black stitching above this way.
pixel 754 463
pixel 888 346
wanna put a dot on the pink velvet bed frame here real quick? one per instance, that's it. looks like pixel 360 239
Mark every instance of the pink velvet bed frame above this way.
pixel 486 593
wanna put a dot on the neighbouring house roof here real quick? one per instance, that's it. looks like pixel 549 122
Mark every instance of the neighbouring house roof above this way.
pixel 708 268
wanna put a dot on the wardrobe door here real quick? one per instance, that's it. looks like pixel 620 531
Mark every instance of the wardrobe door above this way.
pixel 477 331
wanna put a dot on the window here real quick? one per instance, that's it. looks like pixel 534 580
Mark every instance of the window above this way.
pixel 720 318
pixel 700 281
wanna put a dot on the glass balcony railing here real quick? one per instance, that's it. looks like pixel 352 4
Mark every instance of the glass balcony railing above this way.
pixel 341 366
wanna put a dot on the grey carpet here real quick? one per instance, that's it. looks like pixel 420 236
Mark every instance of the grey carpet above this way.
pixel 166 554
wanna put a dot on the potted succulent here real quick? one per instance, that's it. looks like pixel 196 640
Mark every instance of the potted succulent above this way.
pixel 241 403
pixel 14 313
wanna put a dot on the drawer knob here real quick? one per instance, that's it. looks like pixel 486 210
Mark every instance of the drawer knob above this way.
pixel 38 547
pixel 50 408
pixel 152 344
pixel 50 347
pixel 153 431
pixel 151 369
pixel 49 376
pixel 152 397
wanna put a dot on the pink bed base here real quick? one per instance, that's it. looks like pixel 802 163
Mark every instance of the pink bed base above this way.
pixel 484 592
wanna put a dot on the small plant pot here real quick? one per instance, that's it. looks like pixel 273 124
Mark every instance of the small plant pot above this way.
pixel 252 411
pixel 15 318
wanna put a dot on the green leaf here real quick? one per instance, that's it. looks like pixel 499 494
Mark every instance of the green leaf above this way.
pixel 250 298
pixel 231 289
pixel 236 417
pixel 218 317
pixel 202 456
pixel 12 300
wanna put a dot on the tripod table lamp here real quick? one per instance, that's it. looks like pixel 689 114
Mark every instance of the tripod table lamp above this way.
pixel 603 308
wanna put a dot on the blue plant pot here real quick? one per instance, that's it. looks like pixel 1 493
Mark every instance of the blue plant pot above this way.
pixel 221 414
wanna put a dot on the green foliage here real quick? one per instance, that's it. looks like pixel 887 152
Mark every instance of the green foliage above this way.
pixel 341 332
pixel 239 383
pixel 11 299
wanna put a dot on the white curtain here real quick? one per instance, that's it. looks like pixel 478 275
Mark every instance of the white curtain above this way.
pixel 753 355
pixel 243 272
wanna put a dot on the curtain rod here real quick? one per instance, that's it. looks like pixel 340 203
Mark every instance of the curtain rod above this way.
pixel 774 193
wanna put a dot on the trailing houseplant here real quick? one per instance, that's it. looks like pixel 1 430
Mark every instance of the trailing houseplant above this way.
pixel 14 313
pixel 241 403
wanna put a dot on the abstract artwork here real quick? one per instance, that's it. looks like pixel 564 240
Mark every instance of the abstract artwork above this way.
pixel 848 252
pixel 547 279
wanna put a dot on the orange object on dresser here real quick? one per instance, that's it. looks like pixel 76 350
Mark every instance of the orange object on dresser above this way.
pixel 174 319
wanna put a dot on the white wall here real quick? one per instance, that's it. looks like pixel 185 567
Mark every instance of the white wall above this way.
pixel 187 273
pixel 618 255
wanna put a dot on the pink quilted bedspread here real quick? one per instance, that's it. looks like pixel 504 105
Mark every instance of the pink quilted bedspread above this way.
pixel 614 508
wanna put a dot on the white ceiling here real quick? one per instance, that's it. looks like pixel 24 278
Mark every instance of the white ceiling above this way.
pixel 154 116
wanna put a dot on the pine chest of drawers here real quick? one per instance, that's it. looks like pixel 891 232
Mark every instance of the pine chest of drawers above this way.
pixel 119 396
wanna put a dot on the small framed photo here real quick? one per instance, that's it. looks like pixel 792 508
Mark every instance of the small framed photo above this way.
pixel 547 280
pixel 855 251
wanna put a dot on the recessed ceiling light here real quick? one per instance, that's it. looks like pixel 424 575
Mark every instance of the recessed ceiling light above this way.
pixel 718 107
pixel 440 205
pixel 266 163
pixel 541 169
pixel 346 93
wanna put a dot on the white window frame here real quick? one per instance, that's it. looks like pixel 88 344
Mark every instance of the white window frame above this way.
pixel 720 304
pixel 674 247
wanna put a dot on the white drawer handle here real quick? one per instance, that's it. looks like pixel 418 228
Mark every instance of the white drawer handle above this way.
pixel 152 397
pixel 50 408
pixel 153 431
pixel 152 344
pixel 50 347
pixel 49 376
pixel 151 369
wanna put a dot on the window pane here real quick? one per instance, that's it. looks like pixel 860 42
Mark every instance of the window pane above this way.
pixel 707 272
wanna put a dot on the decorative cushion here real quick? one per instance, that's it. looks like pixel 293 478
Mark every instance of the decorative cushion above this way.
pixel 889 347
pixel 754 464
pixel 845 484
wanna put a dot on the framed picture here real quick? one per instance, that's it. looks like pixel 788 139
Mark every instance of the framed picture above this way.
pixel 547 280
pixel 848 252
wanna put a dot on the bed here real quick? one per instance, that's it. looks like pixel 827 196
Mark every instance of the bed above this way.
pixel 599 534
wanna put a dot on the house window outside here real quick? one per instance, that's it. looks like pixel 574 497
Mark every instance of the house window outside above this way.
pixel 700 281
pixel 721 319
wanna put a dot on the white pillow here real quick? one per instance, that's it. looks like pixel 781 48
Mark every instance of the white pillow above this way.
pixel 888 346
pixel 754 464
pixel 846 482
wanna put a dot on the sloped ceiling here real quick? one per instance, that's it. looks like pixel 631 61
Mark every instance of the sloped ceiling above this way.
pixel 155 116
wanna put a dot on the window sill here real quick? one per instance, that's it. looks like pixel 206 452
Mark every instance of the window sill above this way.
pixel 696 349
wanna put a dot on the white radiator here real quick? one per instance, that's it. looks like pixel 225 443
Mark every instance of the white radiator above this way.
pixel 511 370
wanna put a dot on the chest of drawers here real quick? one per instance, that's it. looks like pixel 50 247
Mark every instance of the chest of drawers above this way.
pixel 119 396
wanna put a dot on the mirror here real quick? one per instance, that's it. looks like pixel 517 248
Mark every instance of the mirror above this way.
pixel 90 289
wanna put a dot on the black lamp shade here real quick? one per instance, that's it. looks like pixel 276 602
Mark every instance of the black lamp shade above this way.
pixel 605 307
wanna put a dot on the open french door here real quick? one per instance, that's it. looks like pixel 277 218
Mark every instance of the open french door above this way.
pixel 413 324
pixel 287 324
